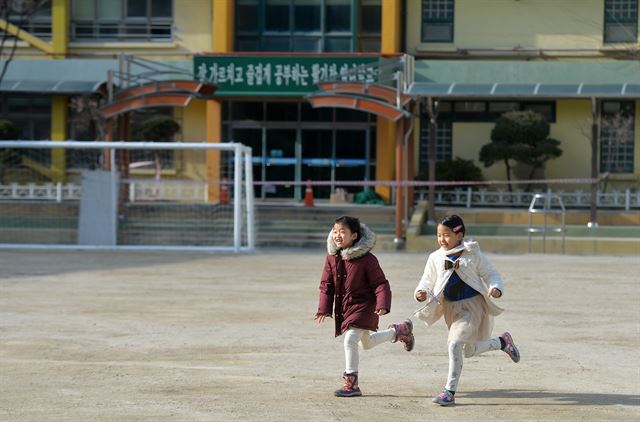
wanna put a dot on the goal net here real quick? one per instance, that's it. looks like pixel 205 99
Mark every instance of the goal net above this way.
pixel 126 195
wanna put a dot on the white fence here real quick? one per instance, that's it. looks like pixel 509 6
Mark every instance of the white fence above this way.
pixel 190 192
pixel 469 198
pixel 138 191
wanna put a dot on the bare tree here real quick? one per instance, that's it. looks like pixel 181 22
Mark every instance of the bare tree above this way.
pixel 19 11
pixel 85 115
pixel 617 132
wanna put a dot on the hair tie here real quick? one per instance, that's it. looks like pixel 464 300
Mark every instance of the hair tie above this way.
pixel 456 229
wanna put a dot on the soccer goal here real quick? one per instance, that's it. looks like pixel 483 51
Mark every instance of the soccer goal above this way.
pixel 126 195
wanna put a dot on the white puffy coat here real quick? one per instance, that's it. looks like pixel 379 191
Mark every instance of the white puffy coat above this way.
pixel 474 269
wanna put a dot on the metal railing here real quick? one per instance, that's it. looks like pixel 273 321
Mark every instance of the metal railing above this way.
pixel 547 208
pixel 620 199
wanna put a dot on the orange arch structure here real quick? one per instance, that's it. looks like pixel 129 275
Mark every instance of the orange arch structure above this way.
pixel 156 94
pixel 380 92
pixel 354 102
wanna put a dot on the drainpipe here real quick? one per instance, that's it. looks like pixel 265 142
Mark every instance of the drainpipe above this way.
pixel 400 191
pixel 432 111
pixel 595 132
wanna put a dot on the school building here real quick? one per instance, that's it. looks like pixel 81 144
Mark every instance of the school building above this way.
pixel 571 61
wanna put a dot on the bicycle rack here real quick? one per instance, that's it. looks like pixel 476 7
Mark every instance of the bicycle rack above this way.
pixel 547 208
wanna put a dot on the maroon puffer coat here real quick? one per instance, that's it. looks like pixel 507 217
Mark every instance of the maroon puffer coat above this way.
pixel 354 285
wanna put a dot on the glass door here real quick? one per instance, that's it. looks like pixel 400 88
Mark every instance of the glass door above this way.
pixel 280 162
pixel 317 159
pixel 352 157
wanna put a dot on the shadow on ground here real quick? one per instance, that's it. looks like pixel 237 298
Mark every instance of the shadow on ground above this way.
pixel 540 398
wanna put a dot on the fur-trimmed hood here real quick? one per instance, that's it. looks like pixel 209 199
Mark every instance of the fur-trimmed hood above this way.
pixel 467 245
pixel 366 242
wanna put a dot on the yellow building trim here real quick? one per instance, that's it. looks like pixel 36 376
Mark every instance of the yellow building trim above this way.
pixel 385 153
pixel 223 12
pixel 391 31
pixel 60 25
pixel 214 135
pixel 222 43
pixel 59 107
pixel 32 40
pixel 386 130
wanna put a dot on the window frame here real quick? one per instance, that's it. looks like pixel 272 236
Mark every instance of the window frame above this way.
pixel 486 115
pixel 125 28
pixel 444 141
pixel 38 24
pixel 450 22
pixel 258 38
pixel 628 110
pixel 610 18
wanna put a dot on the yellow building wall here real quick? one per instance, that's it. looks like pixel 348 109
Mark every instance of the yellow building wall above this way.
pixel 524 24
pixel 194 129
pixel 572 128
pixel 468 139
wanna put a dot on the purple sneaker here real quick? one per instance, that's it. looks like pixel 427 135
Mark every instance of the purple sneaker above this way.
pixel 510 347
pixel 445 398
pixel 404 334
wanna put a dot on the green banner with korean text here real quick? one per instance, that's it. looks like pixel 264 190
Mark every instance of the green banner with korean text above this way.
pixel 281 75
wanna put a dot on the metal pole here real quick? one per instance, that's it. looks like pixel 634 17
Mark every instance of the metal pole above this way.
pixel 595 131
pixel 248 170
pixel 399 238
pixel 432 110
pixel 114 196
pixel 237 197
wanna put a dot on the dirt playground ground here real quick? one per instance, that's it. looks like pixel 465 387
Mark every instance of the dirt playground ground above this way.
pixel 115 336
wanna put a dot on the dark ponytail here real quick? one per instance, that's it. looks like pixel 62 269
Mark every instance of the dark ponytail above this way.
pixel 454 222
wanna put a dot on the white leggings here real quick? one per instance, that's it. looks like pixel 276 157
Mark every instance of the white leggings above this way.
pixel 367 339
pixel 470 349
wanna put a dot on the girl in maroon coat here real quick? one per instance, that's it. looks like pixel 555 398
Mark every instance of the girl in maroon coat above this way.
pixel 356 292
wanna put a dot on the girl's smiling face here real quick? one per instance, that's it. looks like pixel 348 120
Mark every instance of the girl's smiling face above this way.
pixel 343 236
pixel 447 239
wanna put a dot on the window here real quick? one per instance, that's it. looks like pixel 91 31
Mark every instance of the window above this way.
pixel 31 114
pixel 370 26
pixel 34 18
pixel 620 21
pixel 617 134
pixel 122 20
pixel 443 142
pixel 437 21
pixel 489 111
pixel 307 25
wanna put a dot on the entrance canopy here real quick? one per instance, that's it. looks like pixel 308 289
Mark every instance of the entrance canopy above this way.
pixel 545 80
pixel 56 77
pixel 53 87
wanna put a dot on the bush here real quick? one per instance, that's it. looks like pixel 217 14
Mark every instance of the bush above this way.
pixel 453 171
pixel 157 128
pixel 8 131
pixel 368 196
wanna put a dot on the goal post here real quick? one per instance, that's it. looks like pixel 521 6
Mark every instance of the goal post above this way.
pixel 126 195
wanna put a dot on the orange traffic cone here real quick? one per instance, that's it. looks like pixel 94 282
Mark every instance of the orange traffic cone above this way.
pixel 308 195
pixel 224 192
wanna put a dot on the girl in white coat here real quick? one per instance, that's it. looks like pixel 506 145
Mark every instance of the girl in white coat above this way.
pixel 459 284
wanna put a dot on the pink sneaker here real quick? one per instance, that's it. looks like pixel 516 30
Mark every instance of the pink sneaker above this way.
pixel 445 398
pixel 510 348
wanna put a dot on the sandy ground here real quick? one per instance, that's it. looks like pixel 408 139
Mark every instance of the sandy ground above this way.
pixel 98 336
